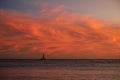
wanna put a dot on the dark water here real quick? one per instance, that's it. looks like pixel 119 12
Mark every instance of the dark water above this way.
pixel 59 69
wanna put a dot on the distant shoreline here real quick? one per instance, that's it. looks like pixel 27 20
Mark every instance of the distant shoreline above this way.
pixel 60 59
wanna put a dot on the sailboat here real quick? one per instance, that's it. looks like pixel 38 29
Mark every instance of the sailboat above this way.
pixel 43 57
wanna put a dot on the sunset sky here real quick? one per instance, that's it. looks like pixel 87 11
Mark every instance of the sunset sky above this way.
pixel 62 29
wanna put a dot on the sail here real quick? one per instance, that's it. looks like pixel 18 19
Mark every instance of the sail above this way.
pixel 43 57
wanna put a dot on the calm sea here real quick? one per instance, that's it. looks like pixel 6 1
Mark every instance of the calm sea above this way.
pixel 59 69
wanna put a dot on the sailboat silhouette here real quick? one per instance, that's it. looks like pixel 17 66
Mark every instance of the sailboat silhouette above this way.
pixel 43 57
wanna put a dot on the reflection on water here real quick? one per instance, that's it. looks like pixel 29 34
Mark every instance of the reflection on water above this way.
pixel 60 70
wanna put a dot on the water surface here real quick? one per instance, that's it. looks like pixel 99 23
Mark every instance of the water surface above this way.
pixel 59 69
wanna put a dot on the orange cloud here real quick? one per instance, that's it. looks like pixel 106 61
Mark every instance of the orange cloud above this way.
pixel 65 35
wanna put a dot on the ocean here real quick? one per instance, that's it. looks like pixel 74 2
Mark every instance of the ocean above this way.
pixel 60 69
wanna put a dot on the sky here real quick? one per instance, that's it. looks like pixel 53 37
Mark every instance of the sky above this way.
pixel 61 29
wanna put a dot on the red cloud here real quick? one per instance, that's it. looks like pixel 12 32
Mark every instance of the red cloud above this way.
pixel 65 35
